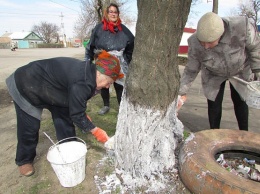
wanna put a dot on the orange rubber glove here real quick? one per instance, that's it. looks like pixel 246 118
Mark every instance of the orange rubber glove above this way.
pixel 181 100
pixel 88 117
pixel 100 134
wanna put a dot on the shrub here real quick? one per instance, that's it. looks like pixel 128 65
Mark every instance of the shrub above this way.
pixel 50 45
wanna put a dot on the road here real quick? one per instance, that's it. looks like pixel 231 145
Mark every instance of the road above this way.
pixel 194 115
pixel 11 60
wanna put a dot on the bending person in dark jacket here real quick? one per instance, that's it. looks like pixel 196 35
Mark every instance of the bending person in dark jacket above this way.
pixel 115 38
pixel 62 85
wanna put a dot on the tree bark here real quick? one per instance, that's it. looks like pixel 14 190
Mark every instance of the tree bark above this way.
pixel 148 130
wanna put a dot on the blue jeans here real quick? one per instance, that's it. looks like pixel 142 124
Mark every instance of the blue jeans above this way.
pixel 28 131
pixel 240 107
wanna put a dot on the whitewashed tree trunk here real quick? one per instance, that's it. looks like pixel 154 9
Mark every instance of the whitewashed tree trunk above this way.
pixel 148 130
pixel 145 144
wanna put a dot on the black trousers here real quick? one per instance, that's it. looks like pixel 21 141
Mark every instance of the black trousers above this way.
pixel 240 107
pixel 106 96
pixel 28 132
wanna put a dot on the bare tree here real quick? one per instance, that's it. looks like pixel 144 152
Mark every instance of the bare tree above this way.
pixel 87 19
pixel 193 14
pixel 232 12
pixel 250 8
pixel 148 131
pixel 47 31
pixel 92 13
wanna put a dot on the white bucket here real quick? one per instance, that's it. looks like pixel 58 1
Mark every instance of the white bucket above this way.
pixel 68 161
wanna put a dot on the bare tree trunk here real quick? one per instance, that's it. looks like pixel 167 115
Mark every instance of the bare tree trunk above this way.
pixel 215 6
pixel 148 130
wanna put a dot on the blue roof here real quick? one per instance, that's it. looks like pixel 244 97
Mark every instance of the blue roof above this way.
pixel 258 28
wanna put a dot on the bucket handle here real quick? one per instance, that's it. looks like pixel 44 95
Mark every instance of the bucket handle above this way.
pixel 71 138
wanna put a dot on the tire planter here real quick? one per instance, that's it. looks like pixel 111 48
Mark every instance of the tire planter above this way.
pixel 199 170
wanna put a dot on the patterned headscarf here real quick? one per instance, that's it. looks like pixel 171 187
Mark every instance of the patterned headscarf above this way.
pixel 108 65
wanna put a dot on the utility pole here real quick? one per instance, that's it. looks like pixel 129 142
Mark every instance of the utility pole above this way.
pixel 215 6
pixel 63 31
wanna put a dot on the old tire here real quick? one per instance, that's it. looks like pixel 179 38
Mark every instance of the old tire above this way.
pixel 199 170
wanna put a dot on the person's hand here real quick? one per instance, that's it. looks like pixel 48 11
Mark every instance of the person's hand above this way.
pixel 88 117
pixel 100 134
pixel 257 76
pixel 181 100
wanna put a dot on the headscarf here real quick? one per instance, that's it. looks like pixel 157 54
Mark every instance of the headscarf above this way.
pixel 108 65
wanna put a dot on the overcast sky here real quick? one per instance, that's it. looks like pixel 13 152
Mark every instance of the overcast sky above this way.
pixel 21 15
pixel 224 9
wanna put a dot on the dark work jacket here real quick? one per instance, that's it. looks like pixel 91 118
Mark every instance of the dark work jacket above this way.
pixel 108 41
pixel 62 82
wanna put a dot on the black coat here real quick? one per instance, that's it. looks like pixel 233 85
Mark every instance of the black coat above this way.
pixel 108 41
pixel 63 82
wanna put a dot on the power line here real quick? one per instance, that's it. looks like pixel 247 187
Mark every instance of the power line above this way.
pixel 75 1
pixel 64 6
pixel 43 14
pixel 36 15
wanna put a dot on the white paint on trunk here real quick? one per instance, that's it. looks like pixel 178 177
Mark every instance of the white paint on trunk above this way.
pixel 145 143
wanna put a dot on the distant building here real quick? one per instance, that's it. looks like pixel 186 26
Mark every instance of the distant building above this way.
pixel 23 39
pixel 187 32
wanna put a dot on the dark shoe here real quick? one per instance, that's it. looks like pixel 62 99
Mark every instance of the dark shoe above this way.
pixel 104 110
pixel 26 170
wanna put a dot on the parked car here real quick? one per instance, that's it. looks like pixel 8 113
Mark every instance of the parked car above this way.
pixel 76 45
